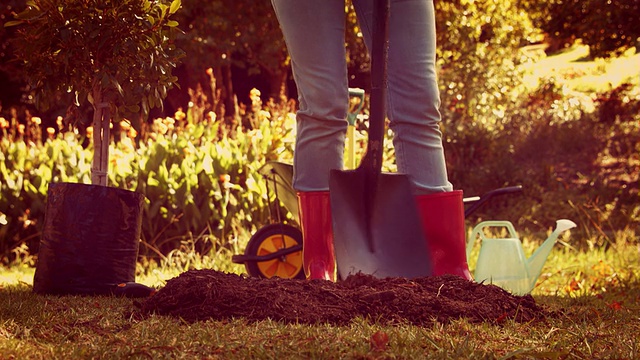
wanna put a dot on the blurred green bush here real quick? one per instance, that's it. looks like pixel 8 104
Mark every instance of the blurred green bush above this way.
pixel 200 181
pixel 572 162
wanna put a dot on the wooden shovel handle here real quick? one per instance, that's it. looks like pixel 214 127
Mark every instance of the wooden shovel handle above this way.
pixel 378 108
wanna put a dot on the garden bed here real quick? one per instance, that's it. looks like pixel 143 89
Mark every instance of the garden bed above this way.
pixel 199 295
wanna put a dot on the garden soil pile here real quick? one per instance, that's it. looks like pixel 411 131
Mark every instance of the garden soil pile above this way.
pixel 199 295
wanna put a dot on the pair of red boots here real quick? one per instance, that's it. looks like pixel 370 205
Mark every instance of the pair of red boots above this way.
pixel 442 217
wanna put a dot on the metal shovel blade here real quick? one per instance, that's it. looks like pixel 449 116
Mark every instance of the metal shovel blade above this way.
pixel 377 230
pixel 375 221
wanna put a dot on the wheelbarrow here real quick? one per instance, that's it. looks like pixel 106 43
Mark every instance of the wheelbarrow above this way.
pixel 276 249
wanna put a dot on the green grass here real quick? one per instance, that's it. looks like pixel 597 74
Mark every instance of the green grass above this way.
pixel 574 69
pixel 595 294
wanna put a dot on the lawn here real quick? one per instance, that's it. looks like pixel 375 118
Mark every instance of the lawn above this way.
pixel 592 298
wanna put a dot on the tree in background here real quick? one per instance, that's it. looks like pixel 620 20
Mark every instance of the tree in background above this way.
pixel 118 57
pixel 245 35
pixel 607 27
pixel 11 76
pixel 478 54
pixel 219 35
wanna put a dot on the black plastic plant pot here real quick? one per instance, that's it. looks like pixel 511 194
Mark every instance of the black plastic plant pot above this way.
pixel 89 239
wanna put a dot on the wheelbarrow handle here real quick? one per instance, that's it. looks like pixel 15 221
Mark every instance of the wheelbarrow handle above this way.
pixel 478 201
pixel 239 259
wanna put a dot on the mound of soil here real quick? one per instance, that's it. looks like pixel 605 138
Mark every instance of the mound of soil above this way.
pixel 207 294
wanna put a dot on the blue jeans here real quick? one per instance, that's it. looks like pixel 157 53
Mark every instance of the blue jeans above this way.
pixel 314 31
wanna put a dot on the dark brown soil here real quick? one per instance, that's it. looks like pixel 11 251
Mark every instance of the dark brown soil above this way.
pixel 206 294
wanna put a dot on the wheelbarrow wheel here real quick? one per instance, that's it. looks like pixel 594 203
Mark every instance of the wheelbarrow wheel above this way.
pixel 271 239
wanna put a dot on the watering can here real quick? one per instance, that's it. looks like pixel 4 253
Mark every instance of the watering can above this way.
pixel 502 261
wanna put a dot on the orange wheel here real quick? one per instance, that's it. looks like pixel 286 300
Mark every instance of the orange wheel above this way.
pixel 271 239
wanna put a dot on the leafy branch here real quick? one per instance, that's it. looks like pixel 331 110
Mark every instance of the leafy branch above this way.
pixel 118 56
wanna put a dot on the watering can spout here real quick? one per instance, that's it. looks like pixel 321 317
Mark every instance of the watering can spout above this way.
pixel 539 257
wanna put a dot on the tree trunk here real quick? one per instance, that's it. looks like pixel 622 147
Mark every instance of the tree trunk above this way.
pixel 101 121
pixel 278 85
pixel 228 84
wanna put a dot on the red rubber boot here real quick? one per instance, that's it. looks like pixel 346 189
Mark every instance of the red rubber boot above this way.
pixel 318 258
pixel 442 216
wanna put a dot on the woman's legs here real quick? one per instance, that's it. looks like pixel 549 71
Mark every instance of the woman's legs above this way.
pixel 414 97
pixel 314 34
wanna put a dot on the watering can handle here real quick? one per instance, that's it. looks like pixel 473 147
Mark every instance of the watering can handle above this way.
pixel 479 231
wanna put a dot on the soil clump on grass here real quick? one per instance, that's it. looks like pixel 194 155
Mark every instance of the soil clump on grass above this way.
pixel 199 295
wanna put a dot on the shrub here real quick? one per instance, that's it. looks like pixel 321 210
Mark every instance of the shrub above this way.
pixel 203 188
pixel 570 162
pixel 478 52
pixel 200 181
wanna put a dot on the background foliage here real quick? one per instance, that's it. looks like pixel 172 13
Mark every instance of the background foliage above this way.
pixel 574 153
pixel 228 37
pixel 201 182
pixel 204 190
pixel 79 50
pixel 607 27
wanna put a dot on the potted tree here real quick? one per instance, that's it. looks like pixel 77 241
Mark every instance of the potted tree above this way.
pixel 117 56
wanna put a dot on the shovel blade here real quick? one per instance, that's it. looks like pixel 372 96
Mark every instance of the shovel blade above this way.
pixel 377 230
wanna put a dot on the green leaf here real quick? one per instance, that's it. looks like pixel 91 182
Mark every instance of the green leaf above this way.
pixel 151 40
pixel 30 13
pixel 145 106
pixel 175 5
pixel 163 9
pixel 117 86
pixel 13 23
